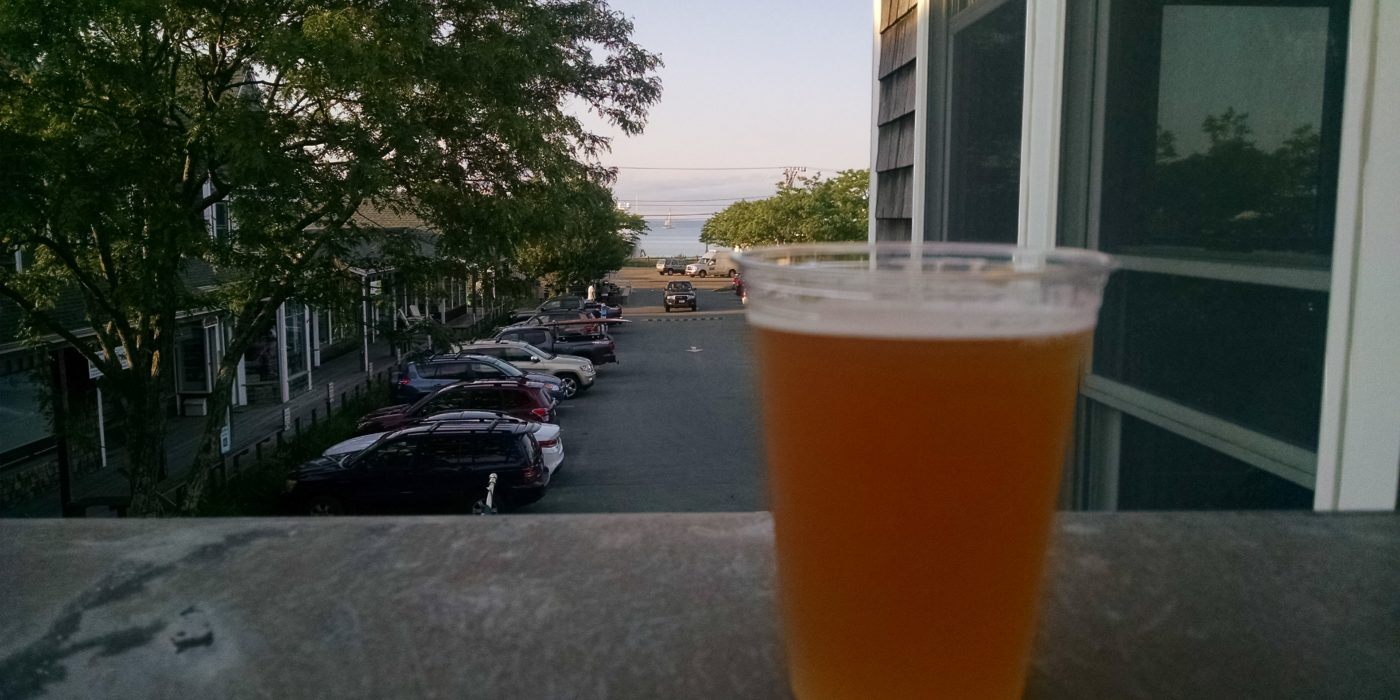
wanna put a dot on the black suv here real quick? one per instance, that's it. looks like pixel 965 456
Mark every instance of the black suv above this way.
pixel 439 467
pixel 680 294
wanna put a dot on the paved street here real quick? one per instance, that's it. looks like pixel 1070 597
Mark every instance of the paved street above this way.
pixel 668 429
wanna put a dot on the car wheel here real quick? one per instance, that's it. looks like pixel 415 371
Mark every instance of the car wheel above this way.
pixel 524 497
pixel 702 273
pixel 325 505
pixel 668 308
pixel 568 386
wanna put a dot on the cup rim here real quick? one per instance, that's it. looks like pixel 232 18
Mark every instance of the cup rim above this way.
pixel 1052 263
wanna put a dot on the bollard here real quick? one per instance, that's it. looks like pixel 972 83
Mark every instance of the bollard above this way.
pixel 330 398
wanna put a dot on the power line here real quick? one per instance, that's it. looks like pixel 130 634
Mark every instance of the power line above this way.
pixel 740 167
pixel 681 201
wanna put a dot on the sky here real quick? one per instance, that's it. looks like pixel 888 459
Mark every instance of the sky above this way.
pixel 746 83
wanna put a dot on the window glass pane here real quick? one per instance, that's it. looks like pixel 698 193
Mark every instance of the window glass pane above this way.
pixel 1160 470
pixel 1251 354
pixel 296 339
pixel 1222 130
pixel 446 452
pixel 492 450
pixel 194 366
pixel 481 370
pixel 393 456
pixel 22 420
pixel 514 398
pixel 517 355
pixel 448 401
pixel 483 399
pixel 444 370
pixel 984 157
pixel 261 358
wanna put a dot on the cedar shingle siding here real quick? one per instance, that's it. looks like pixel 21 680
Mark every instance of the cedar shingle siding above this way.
pixel 894 156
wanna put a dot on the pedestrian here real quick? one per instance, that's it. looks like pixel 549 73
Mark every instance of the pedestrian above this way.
pixel 592 293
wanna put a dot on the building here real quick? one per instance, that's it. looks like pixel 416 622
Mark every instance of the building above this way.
pixel 1242 162
pixel 274 370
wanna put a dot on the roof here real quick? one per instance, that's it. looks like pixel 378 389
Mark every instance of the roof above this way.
pixel 390 216
pixel 503 425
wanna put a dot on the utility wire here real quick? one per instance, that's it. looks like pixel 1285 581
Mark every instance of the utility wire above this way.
pixel 743 167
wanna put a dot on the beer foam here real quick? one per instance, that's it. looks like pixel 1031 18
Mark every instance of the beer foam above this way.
pixel 955 291
pixel 924 322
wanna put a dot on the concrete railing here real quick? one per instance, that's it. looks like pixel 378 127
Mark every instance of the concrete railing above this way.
pixel 1209 605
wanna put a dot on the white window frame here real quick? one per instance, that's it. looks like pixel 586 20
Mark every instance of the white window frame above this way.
pixel 1357 465
pixel 1359 439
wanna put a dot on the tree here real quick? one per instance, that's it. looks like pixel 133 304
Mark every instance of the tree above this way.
pixel 122 121
pixel 1233 195
pixel 804 209
pixel 580 235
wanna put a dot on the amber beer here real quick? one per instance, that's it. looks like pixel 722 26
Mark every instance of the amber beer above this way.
pixel 913 468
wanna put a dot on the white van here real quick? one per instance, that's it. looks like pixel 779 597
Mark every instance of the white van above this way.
pixel 714 262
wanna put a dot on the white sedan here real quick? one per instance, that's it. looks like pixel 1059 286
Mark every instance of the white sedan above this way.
pixel 548 435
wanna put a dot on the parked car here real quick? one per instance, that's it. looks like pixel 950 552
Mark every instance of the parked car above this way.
pixel 445 465
pixel 548 435
pixel 713 263
pixel 516 397
pixel 562 302
pixel 546 318
pixel 421 377
pixel 670 266
pixel 597 348
pixel 575 373
pixel 680 294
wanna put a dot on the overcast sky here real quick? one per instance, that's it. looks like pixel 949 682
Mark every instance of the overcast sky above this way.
pixel 746 83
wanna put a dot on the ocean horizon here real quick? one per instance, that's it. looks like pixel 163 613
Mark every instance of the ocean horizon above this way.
pixel 681 240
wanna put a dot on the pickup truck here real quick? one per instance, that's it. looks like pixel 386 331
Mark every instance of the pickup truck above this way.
pixel 596 347
pixel 680 294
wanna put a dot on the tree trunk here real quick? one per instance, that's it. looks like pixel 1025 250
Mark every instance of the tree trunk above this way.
pixel 144 424
pixel 208 453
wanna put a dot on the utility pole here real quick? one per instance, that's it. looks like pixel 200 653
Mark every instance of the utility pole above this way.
pixel 790 175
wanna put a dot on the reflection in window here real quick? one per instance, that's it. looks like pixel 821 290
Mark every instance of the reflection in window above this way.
pixel 1160 470
pixel 1247 353
pixel 296 339
pixel 1222 128
pixel 22 420
pixel 194 364
pixel 984 168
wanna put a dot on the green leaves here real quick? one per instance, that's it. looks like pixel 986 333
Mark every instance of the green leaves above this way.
pixel 122 121
pixel 804 210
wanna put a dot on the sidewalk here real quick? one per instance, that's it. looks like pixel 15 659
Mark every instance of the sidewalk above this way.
pixel 251 424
